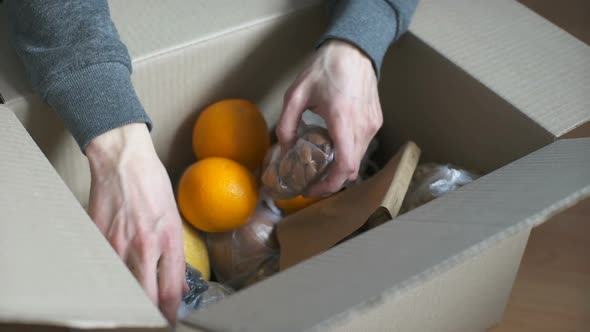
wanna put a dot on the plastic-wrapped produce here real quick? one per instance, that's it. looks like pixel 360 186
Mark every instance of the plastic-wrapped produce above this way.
pixel 201 293
pixel 289 174
pixel 434 180
pixel 237 254
pixel 266 269
pixel 215 293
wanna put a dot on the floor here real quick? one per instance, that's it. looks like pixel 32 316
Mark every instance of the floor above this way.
pixel 552 289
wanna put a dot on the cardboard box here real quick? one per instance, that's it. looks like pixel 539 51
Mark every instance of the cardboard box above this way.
pixel 486 85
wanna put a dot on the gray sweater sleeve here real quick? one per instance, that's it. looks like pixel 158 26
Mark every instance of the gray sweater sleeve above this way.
pixel 77 63
pixel 371 25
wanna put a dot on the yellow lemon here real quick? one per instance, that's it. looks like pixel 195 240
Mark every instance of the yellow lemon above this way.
pixel 195 250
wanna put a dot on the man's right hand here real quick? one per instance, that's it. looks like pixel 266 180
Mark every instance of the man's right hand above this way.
pixel 339 84
pixel 132 203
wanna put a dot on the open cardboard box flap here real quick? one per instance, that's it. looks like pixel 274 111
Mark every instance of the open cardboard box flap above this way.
pixel 508 79
pixel 514 52
pixel 385 262
pixel 57 268
pixel 63 272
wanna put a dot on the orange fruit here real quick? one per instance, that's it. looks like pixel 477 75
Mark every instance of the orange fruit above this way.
pixel 292 205
pixel 217 194
pixel 233 129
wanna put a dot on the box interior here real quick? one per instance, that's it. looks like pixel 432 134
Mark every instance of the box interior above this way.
pixel 426 98
pixel 452 117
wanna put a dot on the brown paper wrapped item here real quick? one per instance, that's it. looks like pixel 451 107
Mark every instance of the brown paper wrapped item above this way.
pixel 324 224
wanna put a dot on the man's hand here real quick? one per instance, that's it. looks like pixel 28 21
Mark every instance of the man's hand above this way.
pixel 340 85
pixel 132 203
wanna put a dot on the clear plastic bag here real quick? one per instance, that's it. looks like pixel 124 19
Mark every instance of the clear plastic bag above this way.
pixel 265 270
pixel 201 293
pixel 289 174
pixel 237 254
pixel 432 180
pixel 215 293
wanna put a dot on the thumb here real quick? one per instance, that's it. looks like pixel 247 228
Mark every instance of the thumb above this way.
pixel 294 105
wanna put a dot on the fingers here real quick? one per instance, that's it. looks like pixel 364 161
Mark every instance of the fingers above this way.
pixel 294 105
pixel 346 156
pixel 132 203
pixel 157 262
pixel 117 235
pixel 172 283
pixel 142 260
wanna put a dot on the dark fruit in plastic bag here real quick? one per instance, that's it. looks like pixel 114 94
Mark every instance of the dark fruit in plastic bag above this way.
pixel 237 254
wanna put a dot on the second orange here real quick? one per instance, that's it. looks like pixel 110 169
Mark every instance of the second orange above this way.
pixel 234 129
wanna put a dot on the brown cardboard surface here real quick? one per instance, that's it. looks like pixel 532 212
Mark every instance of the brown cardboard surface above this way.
pixel 534 65
pixel 489 275
pixel 477 83
pixel 57 269
pixel 391 260
pixel 186 22
pixel 450 114
pixel 326 223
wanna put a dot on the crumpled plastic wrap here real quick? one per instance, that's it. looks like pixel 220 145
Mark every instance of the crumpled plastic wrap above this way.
pixel 237 255
pixel 201 293
pixel 433 180
pixel 290 173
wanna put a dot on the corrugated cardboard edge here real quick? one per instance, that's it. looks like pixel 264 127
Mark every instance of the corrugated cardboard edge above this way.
pixel 65 272
pixel 508 48
pixel 408 310
pixel 424 279
pixel 121 10
pixel 428 241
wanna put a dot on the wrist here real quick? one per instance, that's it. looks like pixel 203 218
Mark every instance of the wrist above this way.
pixel 119 145
pixel 346 53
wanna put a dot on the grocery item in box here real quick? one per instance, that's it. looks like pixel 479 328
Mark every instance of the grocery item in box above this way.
pixel 433 180
pixel 237 254
pixel 201 293
pixel 324 224
pixel 290 173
